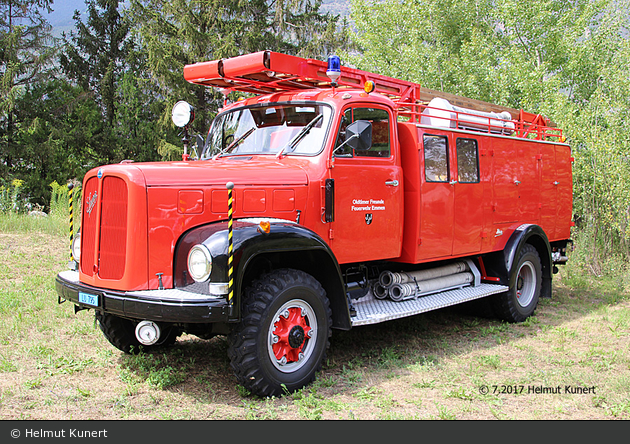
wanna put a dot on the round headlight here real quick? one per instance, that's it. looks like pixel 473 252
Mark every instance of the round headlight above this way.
pixel 76 248
pixel 183 114
pixel 199 263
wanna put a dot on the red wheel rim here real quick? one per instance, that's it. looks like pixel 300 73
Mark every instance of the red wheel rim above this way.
pixel 292 335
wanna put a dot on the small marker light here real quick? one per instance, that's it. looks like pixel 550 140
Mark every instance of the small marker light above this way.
pixel 265 226
pixel 369 86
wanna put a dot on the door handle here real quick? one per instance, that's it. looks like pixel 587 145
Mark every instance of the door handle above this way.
pixel 392 183
pixel 452 182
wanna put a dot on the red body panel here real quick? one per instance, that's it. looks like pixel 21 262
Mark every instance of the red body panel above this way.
pixel 521 181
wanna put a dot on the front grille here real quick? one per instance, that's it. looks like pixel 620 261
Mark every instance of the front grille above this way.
pixel 89 226
pixel 111 232
pixel 113 242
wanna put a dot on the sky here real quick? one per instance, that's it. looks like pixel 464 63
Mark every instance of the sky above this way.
pixel 63 10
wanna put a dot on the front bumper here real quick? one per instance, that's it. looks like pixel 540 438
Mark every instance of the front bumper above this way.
pixel 170 305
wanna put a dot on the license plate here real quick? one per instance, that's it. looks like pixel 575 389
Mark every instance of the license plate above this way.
pixel 89 299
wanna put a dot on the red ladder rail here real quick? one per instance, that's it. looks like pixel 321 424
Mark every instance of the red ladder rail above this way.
pixel 268 72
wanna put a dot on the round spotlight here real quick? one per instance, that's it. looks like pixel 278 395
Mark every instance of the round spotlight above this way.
pixel 183 114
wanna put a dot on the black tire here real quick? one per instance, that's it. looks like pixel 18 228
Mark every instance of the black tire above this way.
pixel 521 300
pixel 296 303
pixel 121 333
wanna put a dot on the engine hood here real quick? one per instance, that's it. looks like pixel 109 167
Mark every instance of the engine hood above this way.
pixel 239 170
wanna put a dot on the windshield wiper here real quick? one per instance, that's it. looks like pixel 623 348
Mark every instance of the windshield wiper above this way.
pixel 299 136
pixel 235 142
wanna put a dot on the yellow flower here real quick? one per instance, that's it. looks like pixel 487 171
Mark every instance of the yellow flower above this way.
pixel 17 183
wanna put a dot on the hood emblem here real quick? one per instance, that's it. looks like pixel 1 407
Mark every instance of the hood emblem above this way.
pixel 90 202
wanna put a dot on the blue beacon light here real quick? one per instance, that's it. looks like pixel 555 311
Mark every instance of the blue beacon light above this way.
pixel 334 69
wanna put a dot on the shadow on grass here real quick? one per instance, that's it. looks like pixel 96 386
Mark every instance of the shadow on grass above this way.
pixel 201 368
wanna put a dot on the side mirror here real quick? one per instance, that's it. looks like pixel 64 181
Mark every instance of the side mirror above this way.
pixel 359 135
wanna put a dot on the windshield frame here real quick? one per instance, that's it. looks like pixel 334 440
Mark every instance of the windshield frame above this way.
pixel 206 154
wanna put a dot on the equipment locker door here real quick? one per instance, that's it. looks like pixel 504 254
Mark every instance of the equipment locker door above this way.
pixel 564 185
pixel 367 193
pixel 548 191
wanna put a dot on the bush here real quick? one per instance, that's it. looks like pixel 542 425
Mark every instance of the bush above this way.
pixel 12 199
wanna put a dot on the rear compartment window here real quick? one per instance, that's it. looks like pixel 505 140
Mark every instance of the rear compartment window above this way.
pixel 435 158
pixel 467 161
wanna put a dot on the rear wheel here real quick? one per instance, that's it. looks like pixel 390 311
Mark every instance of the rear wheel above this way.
pixel 521 300
pixel 282 339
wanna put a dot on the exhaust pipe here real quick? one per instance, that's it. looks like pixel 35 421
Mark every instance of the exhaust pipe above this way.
pixel 148 332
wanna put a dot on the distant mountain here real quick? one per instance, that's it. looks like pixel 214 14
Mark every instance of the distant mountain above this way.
pixel 341 7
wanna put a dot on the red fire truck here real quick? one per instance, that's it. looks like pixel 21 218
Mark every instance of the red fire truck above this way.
pixel 329 198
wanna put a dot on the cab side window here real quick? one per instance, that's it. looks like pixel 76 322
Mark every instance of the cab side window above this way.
pixel 381 144
pixel 343 151
pixel 435 158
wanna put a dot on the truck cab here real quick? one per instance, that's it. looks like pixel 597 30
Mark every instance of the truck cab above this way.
pixel 328 199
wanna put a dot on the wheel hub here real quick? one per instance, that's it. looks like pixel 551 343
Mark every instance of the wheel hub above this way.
pixel 296 336
pixel 291 330
pixel 525 284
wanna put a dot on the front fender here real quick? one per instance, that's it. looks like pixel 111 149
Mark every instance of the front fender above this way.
pixel 286 245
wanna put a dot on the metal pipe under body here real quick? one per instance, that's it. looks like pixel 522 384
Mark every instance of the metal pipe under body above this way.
pixel 388 278
pixel 401 292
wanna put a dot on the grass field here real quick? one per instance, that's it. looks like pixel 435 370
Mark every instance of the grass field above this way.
pixel 570 361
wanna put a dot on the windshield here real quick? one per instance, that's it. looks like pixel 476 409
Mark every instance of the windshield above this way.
pixel 289 128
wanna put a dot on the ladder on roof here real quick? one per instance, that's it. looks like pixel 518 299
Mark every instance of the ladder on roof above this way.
pixel 268 72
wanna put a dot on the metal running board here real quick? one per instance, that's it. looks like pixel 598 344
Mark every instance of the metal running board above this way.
pixel 371 310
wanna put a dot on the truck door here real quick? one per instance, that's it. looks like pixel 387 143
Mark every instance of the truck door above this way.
pixel 468 199
pixel 437 194
pixel 368 194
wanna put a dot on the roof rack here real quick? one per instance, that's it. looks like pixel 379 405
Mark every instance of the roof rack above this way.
pixel 268 72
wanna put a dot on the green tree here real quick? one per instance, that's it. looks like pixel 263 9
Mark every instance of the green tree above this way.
pixel 95 57
pixel 178 32
pixel 25 53
pixel 567 60
pixel 429 42
pixel 57 136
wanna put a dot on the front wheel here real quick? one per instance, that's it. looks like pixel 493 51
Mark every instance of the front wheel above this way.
pixel 282 339
pixel 521 300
